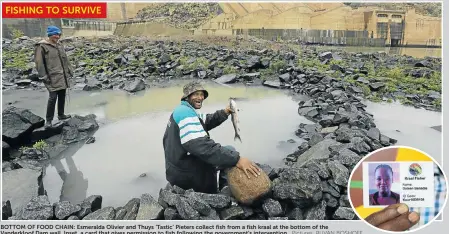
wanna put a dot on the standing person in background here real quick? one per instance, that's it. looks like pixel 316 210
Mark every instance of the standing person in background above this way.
pixel 54 71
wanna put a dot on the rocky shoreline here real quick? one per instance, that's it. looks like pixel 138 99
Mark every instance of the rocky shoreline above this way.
pixel 136 63
pixel 313 183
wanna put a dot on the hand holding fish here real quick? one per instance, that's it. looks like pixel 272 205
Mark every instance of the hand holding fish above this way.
pixel 247 165
pixel 228 110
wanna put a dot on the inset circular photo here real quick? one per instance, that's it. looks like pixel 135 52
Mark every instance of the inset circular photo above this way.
pixel 398 189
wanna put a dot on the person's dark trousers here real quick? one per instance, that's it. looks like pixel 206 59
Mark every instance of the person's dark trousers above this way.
pixel 222 179
pixel 60 96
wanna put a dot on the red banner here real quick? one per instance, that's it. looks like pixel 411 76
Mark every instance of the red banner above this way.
pixel 54 10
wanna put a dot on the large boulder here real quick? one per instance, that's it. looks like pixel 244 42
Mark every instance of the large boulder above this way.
pixel 18 124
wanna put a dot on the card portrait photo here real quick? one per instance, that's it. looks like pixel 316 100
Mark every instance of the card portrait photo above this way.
pixel 382 185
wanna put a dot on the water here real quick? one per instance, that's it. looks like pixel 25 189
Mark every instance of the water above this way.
pixel 129 141
pixel 410 126
pixel 414 52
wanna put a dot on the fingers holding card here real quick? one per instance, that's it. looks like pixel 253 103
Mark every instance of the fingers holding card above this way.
pixel 398 188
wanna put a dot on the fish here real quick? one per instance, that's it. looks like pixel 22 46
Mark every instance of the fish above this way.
pixel 235 118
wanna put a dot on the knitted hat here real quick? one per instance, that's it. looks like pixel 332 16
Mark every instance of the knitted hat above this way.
pixel 53 30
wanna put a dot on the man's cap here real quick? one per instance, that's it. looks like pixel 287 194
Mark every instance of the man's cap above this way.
pixel 192 87
pixel 53 30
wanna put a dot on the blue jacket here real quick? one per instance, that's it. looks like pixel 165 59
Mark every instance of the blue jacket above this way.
pixel 191 157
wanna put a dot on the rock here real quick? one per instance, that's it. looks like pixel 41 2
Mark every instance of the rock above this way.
pixel 423 63
pixel 319 167
pixel 315 139
pixel 90 140
pixel 330 200
pixel 6 210
pixel 20 186
pixel 325 55
pixel 44 133
pixel 359 145
pixel 339 172
pixel 272 208
pixel 284 77
pixel 299 184
pixel 34 154
pixel 216 201
pixel 107 213
pixel 320 151
pixel 120 213
pixel 344 201
pixel 344 213
pixel 438 128
pixel 65 209
pixel 432 95
pixel 232 213
pixel 347 157
pixel 326 121
pixel 178 190
pixel 374 133
pixel 89 205
pixel 212 216
pixel 376 86
pixel 245 190
pixel 5 150
pixel 168 197
pixel 329 129
pixel 227 79
pixel 171 214
pixel 17 125
pixel 91 85
pixel 185 210
pixel 295 214
pixel 197 203
pixel 247 212
pixel 149 209
pixel 131 208
pixel 273 84
pixel 135 86
pixel 328 188
pixel 317 212
pixel 39 208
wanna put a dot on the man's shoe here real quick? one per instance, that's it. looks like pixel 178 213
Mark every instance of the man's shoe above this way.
pixel 48 124
pixel 62 117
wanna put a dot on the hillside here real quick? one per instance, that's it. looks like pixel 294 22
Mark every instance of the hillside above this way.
pixel 429 9
pixel 180 15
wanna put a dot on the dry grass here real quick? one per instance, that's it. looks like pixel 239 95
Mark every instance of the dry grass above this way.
pixel 245 190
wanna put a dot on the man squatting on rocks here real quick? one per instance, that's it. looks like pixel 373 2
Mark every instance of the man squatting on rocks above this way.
pixel 192 158
pixel 54 70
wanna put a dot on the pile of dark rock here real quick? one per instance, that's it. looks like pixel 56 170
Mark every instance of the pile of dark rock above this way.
pixel 27 147
pixel 297 194
pixel 134 64
pixel 180 15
